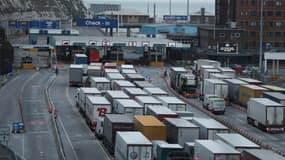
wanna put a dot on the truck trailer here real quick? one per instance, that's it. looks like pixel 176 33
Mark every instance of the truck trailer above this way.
pixel 112 124
pixel 161 112
pixel 96 107
pixel 172 103
pixel 132 145
pixel 212 150
pixel 209 127
pixel 266 114
pixel 180 131
pixel 128 107
pixel 75 74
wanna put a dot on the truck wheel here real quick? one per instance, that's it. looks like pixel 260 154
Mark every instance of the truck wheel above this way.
pixel 249 120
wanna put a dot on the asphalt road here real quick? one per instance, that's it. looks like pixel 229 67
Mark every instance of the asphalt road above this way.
pixel 232 115
pixel 79 142
pixel 37 142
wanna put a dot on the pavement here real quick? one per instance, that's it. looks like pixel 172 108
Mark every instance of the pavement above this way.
pixel 233 116
pixel 37 142
pixel 79 141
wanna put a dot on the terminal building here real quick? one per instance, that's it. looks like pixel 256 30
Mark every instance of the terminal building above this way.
pixel 96 8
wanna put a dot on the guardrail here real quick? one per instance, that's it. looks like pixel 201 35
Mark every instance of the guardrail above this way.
pixel 229 125
pixel 52 110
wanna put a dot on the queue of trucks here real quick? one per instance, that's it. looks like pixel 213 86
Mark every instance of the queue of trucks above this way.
pixel 136 120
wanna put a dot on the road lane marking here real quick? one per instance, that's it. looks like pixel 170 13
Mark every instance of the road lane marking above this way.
pixel 68 139
pixel 91 134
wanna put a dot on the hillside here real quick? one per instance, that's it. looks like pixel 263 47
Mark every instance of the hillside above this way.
pixel 41 9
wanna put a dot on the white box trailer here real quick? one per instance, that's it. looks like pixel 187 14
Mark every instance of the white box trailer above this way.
pixel 236 141
pixel 208 72
pixel 121 84
pixel 132 145
pixel 128 107
pixel 94 71
pixel 173 103
pixel 180 131
pixel 212 150
pixel 133 92
pixel 198 63
pixel 227 71
pixel 146 101
pixel 275 96
pixel 111 96
pixel 75 74
pixel 81 96
pixel 128 71
pixel 126 66
pixel 143 84
pixel 134 77
pixel 96 64
pixel 209 127
pixel 261 154
pixel 114 76
pixel 219 76
pixel 215 87
pixel 233 88
pixel 155 91
pixel 112 124
pixel 106 71
pixel 160 112
pixel 202 70
pixel 101 83
pixel 96 107
pixel 266 114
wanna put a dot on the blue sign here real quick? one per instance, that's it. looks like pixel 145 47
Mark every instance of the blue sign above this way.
pixel 44 24
pixel 33 24
pixel 12 24
pixel 96 22
pixel 175 18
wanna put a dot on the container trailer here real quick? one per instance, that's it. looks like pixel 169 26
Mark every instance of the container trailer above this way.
pixel 81 97
pixel 275 96
pixel 128 107
pixel 161 112
pixel 180 131
pixel 251 81
pixel 111 96
pixel 134 77
pixel 236 141
pixel 150 127
pixel 94 71
pixel 208 72
pixel 212 150
pixel 121 84
pixel 132 145
pixel 165 150
pixel 133 92
pixel 227 71
pixel 261 154
pixel 266 114
pixel 143 84
pixel 209 127
pixel 172 103
pixel 249 91
pixel 272 88
pixel 80 59
pixel 155 91
pixel 101 83
pixel 75 75
pixel 234 85
pixel 96 107
pixel 146 101
pixel 214 87
pixel 112 124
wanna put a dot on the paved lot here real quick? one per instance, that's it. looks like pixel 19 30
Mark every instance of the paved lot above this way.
pixel 235 117
pixel 82 144
pixel 37 142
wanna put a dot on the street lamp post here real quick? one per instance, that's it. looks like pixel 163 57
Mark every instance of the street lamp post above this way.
pixel 260 35
pixel 170 5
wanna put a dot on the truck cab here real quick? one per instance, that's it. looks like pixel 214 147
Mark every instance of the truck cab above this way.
pixel 99 127
pixel 214 104
pixel 188 83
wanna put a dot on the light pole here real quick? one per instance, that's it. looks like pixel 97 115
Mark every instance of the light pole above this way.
pixel 170 5
pixel 188 16
pixel 260 35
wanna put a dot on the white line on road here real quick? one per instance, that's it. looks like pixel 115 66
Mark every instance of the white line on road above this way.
pixel 68 139
pixel 91 134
